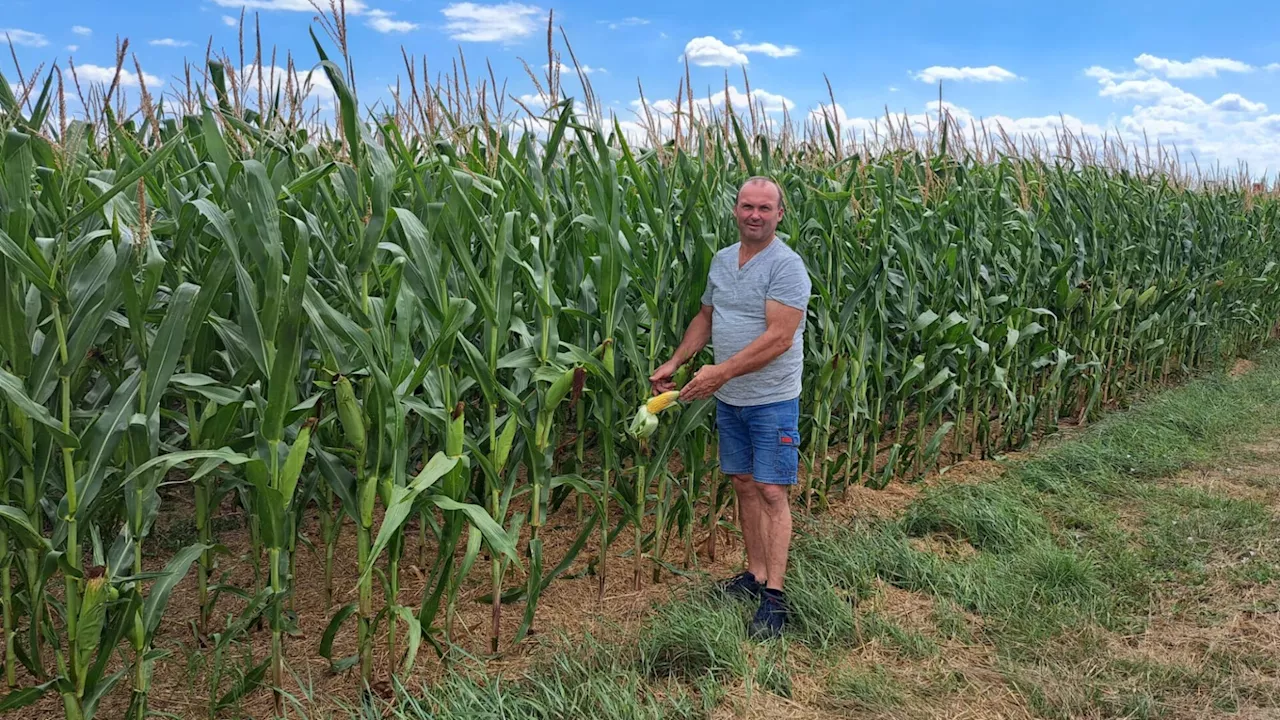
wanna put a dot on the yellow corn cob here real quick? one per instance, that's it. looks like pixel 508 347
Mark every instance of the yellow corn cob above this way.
pixel 658 403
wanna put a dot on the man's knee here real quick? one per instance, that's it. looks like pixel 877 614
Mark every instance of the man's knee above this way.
pixel 775 497
pixel 745 484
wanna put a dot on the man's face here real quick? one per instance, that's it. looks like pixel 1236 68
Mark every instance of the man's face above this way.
pixel 758 212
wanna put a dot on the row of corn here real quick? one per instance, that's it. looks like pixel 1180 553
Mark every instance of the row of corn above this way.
pixel 383 332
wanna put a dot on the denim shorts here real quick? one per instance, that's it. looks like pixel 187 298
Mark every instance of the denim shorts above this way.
pixel 762 441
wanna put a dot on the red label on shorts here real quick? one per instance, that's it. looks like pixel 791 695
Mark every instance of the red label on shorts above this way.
pixel 786 440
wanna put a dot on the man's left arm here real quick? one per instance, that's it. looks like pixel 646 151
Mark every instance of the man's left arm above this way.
pixel 784 308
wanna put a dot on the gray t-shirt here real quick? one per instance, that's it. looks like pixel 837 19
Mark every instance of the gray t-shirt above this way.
pixel 737 296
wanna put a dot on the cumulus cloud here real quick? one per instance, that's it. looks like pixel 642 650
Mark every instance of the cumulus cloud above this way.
pixel 1198 68
pixel 81 30
pixel 1227 130
pixel 169 42
pixel 472 22
pixel 381 21
pixel 625 22
pixel 569 70
pixel 354 7
pixel 24 37
pixel 312 86
pixel 770 49
pixel 90 74
pixel 1233 102
pixel 1101 73
pixel 709 51
pixel 761 99
pixel 72 48
pixel 990 73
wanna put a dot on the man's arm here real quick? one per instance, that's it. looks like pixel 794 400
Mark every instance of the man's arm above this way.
pixel 696 337
pixel 781 322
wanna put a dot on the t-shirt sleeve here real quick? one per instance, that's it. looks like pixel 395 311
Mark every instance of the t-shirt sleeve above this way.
pixel 790 284
pixel 707 294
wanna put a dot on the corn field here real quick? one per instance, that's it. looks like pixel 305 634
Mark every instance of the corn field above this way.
pixel 426 320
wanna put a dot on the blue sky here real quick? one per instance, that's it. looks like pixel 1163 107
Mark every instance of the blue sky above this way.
pixel 1204 76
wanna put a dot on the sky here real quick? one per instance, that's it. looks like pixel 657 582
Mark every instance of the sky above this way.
pixel 1203 77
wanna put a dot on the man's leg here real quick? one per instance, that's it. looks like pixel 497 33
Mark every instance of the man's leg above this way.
pixel 753 516
pixel 736 461
pixel 776 511
pixel 776 455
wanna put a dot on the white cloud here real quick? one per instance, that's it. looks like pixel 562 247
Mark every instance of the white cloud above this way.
pixel 354 7
pixel 72 48
pixel 569 70
pixel 381 21
pixel 770 102
pixel 879 130
pixel 990 73
pixel 471 22
pixel 24 37
pixel 229 21
pixel 1234 103
pixel 708 51
pixel 105 75
pixel 313 85
pixel 1161 92
pixel 1198 68
pixel 829 113
pixel 1101 73
pixel 169 42
pixel 737 34
pixel 1273 67
pixel 82 30
pixel 770 49
pixel 1227 130
pixel 893 89
pixel 625 22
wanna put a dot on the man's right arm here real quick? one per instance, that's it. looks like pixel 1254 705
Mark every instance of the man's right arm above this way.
pixel 696 337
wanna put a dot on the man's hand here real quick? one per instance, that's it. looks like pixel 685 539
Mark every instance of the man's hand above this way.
pixel 661 378
pixel 705 383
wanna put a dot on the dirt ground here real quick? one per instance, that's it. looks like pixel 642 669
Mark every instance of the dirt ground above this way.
pixel 571 605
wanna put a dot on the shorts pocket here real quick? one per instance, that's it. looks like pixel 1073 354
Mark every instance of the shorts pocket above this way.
pixel 788 456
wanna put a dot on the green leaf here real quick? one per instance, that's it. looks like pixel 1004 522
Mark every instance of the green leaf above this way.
pixel 497 538
pixel 207 387
pixel 128 181
pixel 288 342
pixel 167 346
pixel 401 506
pixel 174 459
pixel 927 318
pixel 27 535
pixel 26 696
pixel 23 262
pixel 11 387
pixel 330 632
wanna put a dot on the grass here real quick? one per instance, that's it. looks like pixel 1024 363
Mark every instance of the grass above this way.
pixel 1098 587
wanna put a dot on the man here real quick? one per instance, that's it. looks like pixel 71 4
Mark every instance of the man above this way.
pixel 753 313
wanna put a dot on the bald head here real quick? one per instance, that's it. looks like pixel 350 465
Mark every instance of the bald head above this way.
pixel 761 180
pixel 758 210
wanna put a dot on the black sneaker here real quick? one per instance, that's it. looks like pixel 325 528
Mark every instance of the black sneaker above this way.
pixel 771 616
pixel 742 586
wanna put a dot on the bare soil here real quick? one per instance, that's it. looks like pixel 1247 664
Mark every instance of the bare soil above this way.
pixel 964 680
